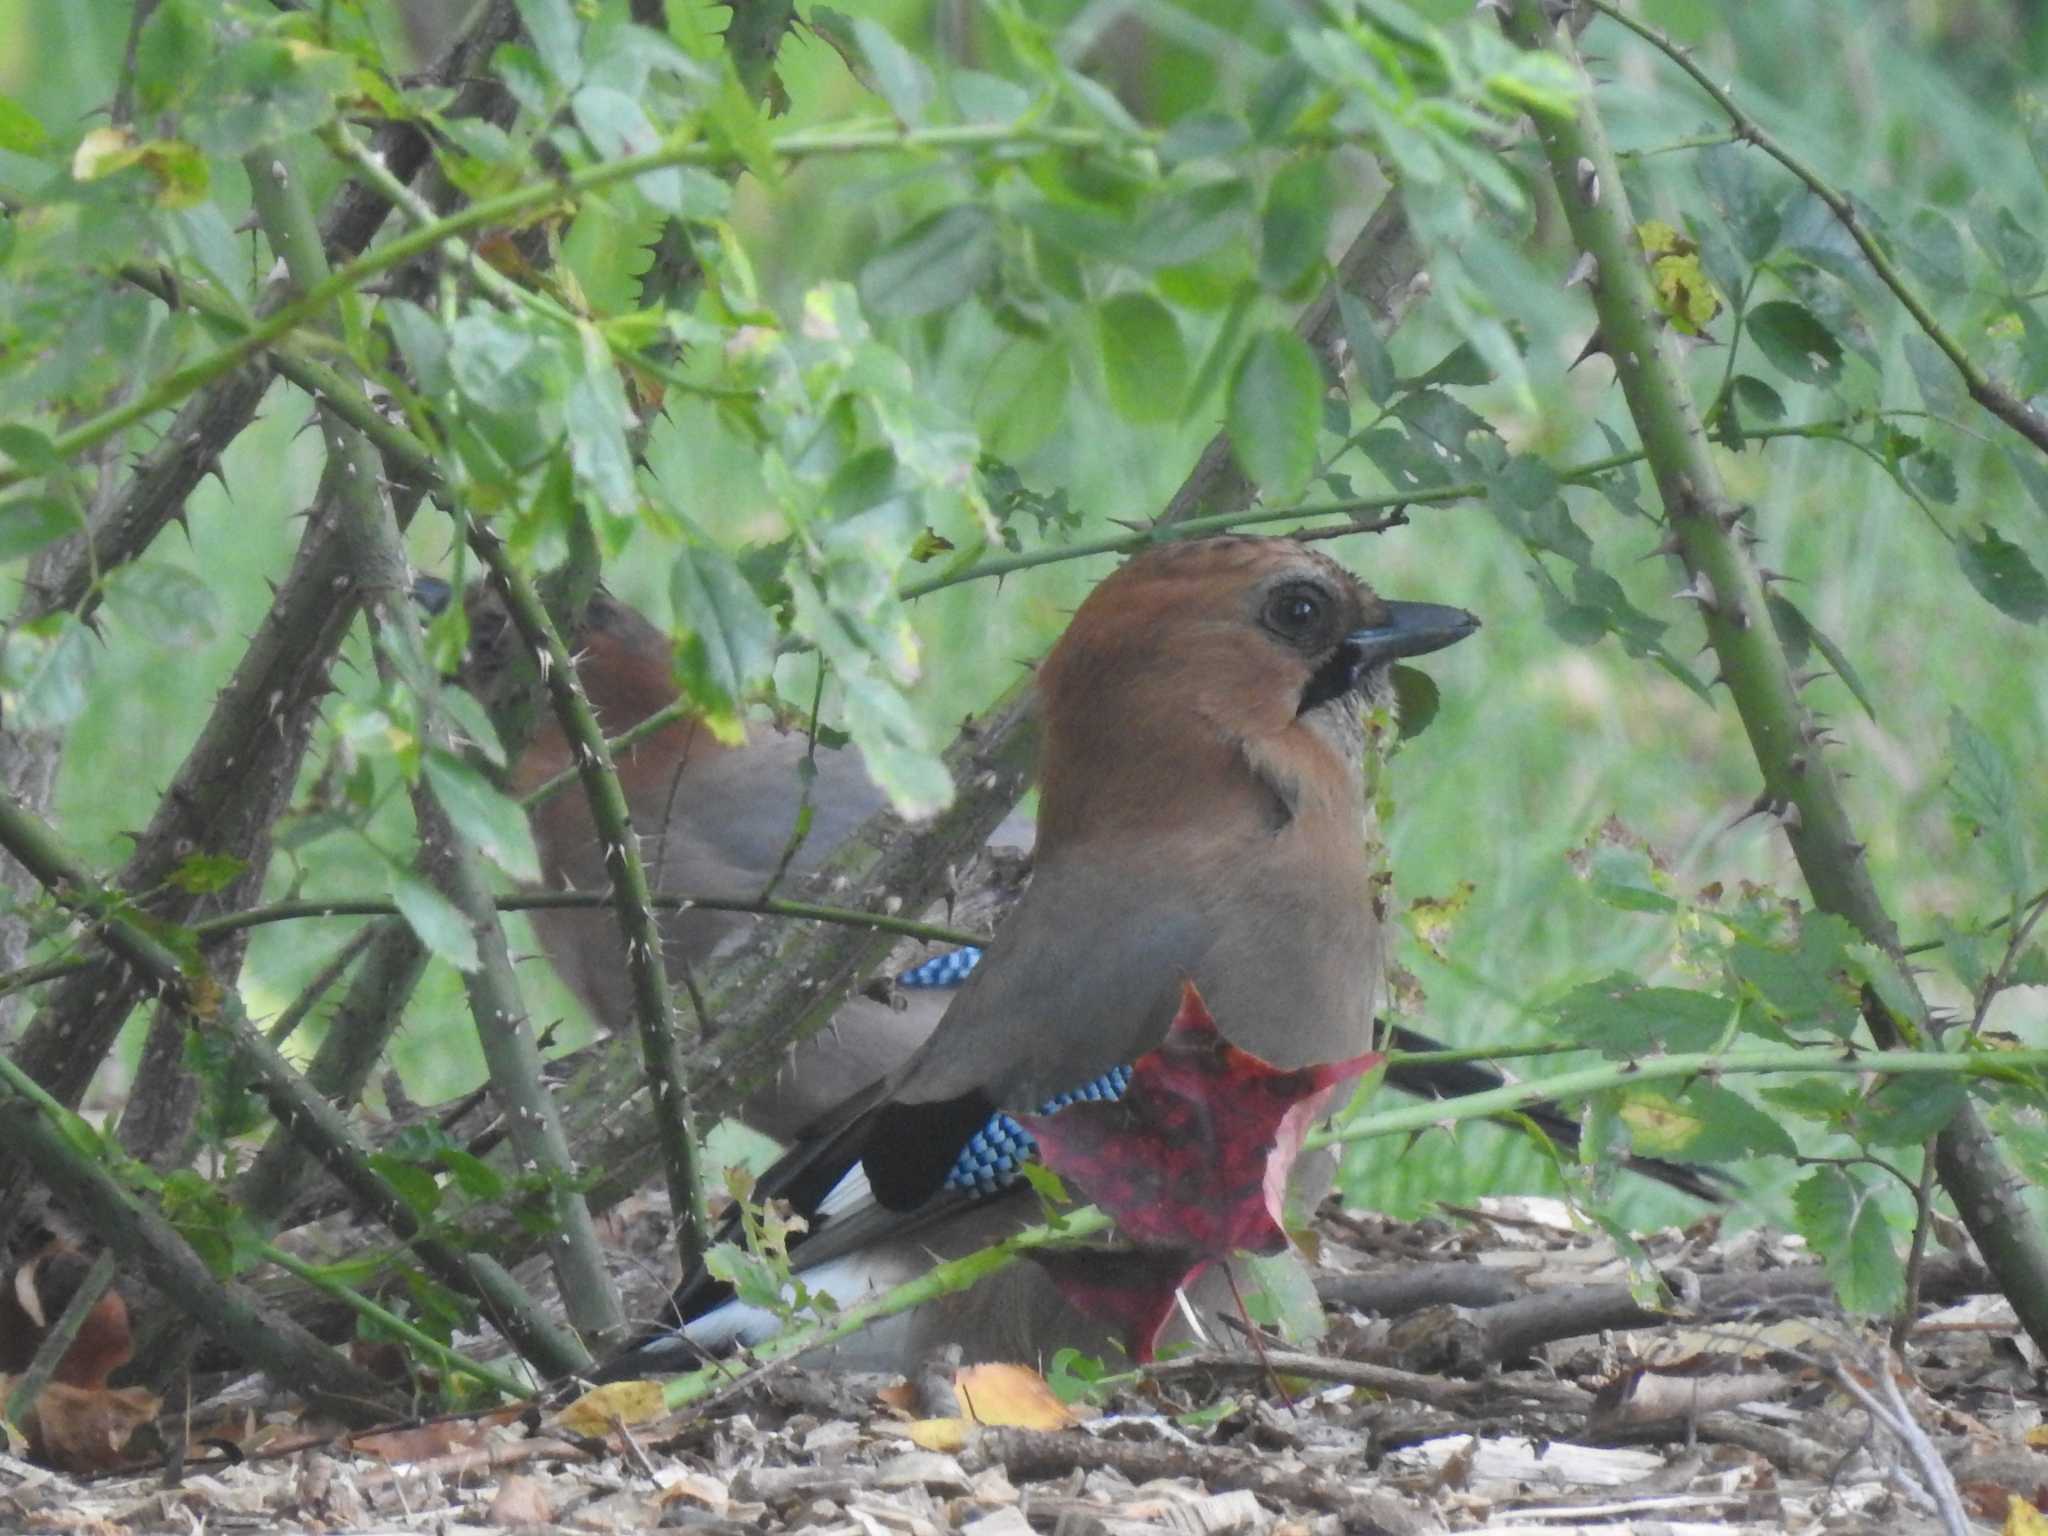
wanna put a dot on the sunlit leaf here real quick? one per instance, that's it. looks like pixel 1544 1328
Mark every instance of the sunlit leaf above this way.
pixel 435 920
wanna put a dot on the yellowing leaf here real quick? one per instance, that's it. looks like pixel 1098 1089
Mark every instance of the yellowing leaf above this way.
pixel 623 1402
pixel 1686 296
pixel 1013 1395
pixel 939 1434
pixel 2022 1519
pixel 1657 1124
pixel 102 152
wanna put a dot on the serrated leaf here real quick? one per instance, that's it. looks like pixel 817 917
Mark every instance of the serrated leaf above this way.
pixel 725 636
pixel 557 37
pixel 1626 879
pixel 1838 1215
pixel 899 75
pixel 2033 475
pixel 1941 387
pixel 171 607
pixel 1932 474
pixel 201 874
pixel 1368 353
pixel 45 670
pixel 1983 795
pixel 493 824
pixel 2004 575
pixel 1798 635
pixel 1801 982
pixel 473 723
pixel 1295 224
pixel 2010 245
pixel 597 416
pixel 1622 1016
pixel 29 522
pixel 1273 413
pixel 1796 342
pixel 1933 250
pixel 1144 359
pixel 435 920
pixel 934 265
pixel 1906 1111
pixel 1728 175
pixel 1705 1124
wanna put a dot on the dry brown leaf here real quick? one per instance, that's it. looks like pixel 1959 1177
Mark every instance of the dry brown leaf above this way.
pixel 84 1429
pixel 422 1442
pixel 620 1402
pixel 521 1500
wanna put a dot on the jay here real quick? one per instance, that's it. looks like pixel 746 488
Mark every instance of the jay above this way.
pixel 715 820
pixel 1203 818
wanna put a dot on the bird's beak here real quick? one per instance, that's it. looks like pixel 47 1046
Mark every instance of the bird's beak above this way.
pixel 432 594
pixel 1411 629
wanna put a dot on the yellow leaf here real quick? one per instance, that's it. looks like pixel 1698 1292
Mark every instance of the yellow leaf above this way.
pixel 102 152
pixel 939 1434
pixel 1683 291
pixel 1014 1395
pixel 624 1402
pixel 2022 1519
pixel 1657 1124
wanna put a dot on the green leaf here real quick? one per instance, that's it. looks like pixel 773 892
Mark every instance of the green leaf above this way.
pixel 45 670
pixel 1728 174
pixel 1932 474
pixel 1188 223
pixel 1295 226
pixel 1623 1017
pixel 1144 359
pixel 557 37
pixel 2004 576
pixel 725 636
pixel 493 824
pixel 596 416
pixel 1274 409
pixel 1283 1296
pixel 21 131
pixel 417 1187
pixel 1368 353
pixel 2010 245
pixel 201 874
pixel 473 721
pixel 262 91
pixel 1416 699
pixel 171 53
pixel 29 522
pixel 1802 983
pixel 1795 341
pixel 1704 1124
pixel 1022 399
pixel 1626 879
pixel 1838 1215
pixel 1906 1111
pixel 1941 387
pixel 934 265
pixel 902 78
pixel 1753 395
pixel 30 449
pixel 2033 475
pixel 1799 636
pixel 435 920
pixel 1462 365
pixel 171 607
pixel 1983 796
pixel 1933 251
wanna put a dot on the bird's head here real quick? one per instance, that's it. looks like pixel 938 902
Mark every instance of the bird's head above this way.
pixel 1205 654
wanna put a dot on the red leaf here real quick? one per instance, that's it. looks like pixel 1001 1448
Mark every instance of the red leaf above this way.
pixel 1195 1155
pixel 1131 1289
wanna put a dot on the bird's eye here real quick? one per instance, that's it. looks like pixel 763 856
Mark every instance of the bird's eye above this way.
pixel 1295 611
